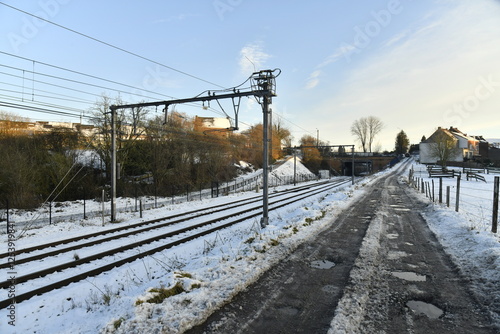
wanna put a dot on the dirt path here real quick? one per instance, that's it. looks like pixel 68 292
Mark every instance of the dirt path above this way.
pixel 378 269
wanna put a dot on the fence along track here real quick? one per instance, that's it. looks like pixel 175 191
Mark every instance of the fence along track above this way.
pixel 226 187
pixel 141 226
pixel 250 213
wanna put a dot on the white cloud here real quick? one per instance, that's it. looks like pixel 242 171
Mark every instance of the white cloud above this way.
pixel 416 77
pixel 340 52
pixel 252 58
pixel 313 80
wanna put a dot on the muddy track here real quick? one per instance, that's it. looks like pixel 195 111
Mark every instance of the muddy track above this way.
pixel 400 274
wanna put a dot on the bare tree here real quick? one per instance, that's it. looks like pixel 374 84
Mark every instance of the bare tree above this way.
pixel 365 130
pixel 129 127
pixel 375 125
pixel 359 129
pixel 443 147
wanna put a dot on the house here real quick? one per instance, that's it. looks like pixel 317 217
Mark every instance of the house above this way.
pixel 464 147
pixel 213 125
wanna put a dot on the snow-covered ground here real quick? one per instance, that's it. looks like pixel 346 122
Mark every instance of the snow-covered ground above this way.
pixel 214 268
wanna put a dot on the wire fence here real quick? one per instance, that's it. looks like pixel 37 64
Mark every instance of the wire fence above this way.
pixel 52 213
pixel 473 193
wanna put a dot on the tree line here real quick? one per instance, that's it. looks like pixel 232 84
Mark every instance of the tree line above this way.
pixel 155 155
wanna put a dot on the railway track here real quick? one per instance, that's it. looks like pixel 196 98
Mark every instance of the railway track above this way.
pixel 171 231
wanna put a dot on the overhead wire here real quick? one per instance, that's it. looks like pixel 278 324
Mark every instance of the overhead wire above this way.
pixel 87 75
pixel 61 97
pixel 64 79
pixel 110 45
pixel 111 81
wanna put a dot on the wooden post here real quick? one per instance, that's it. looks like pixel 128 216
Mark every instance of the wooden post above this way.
pixel 423 188
pixel 433 197
pixel 440 190
pixel 495 204
pixel 448 196
pixel 457 203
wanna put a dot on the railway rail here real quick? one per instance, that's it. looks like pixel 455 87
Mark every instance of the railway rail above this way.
pixel 172 231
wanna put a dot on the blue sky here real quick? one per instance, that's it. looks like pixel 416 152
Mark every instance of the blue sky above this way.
pixel 414 64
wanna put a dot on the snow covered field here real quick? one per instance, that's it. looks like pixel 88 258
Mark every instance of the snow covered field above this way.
pixel 213 269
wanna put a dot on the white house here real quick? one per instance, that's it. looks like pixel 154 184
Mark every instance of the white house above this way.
pixel 467 146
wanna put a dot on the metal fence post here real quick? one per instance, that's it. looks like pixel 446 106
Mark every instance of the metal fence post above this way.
pixel 495 204
pixel 457 203
pixel 140 208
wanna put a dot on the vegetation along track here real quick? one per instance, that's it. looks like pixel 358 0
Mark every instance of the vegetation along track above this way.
pixel 190 230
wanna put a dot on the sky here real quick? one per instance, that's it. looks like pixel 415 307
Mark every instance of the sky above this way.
pixel 415 65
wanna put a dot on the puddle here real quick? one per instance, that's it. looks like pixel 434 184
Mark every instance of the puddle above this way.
pixel 409 276
pixel 427 309
pixel 322 264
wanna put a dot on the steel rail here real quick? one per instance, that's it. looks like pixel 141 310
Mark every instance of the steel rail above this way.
pixel 218 208
pixel 140 229
pixel 109 266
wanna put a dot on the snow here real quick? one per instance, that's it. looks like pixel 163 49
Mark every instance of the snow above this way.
pixel 213 269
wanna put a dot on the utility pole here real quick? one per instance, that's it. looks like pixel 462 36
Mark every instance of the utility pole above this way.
pixel 265 168
pixel 294 167
pixel 352 156
pixel 113 165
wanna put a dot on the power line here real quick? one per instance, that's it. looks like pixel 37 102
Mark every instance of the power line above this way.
pixel 298 126
pixel 111 45
pixel 69 80
pixel 62 97
pixel 117 48
pixel 42 110
pixel 76 81
pixel 87 75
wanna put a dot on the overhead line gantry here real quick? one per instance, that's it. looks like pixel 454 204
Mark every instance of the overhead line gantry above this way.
pixel 262 86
